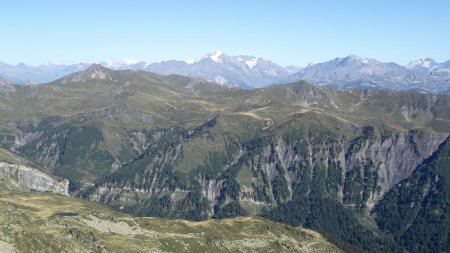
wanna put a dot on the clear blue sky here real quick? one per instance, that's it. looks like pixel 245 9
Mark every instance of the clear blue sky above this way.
pixel 286 32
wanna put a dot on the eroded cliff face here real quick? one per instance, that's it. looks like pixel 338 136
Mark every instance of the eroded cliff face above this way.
pixel 31 179
pixel 357 170
pixel 394 157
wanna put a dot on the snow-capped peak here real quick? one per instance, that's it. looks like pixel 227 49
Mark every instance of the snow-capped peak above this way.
pixel 130 61
pixel 119 64
pixel 191 61
pixel 426 63
pixel 215 56
pixel 111 64
pixel 252 62
pixel 363 60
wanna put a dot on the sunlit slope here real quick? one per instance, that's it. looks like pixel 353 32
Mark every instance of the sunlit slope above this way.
pixel 137 98
pixel 27 224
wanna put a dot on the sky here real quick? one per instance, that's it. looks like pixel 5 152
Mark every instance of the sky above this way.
pixel 285 32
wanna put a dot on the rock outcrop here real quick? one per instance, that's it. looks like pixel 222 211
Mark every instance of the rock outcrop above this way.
pixel 6 87
pixel 31 179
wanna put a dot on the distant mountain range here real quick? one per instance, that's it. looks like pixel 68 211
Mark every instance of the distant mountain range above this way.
pixel 425 75
pixel 357 72
pixel 22 73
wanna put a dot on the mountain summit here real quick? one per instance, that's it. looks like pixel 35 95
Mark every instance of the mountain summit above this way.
pixel 358 60
pixel 214 56
pixel 239 70
pixel 95 71
pixel 422 65
pixel 348 69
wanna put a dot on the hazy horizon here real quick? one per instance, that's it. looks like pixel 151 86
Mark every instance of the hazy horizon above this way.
pixel 135 61
pixel 288 33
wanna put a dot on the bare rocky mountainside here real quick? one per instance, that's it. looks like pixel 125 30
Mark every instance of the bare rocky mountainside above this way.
pixel 336 161
pixel 17 173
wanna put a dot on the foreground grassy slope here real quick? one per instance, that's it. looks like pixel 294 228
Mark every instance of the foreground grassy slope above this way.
pixel 7 156
pixel 27 224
